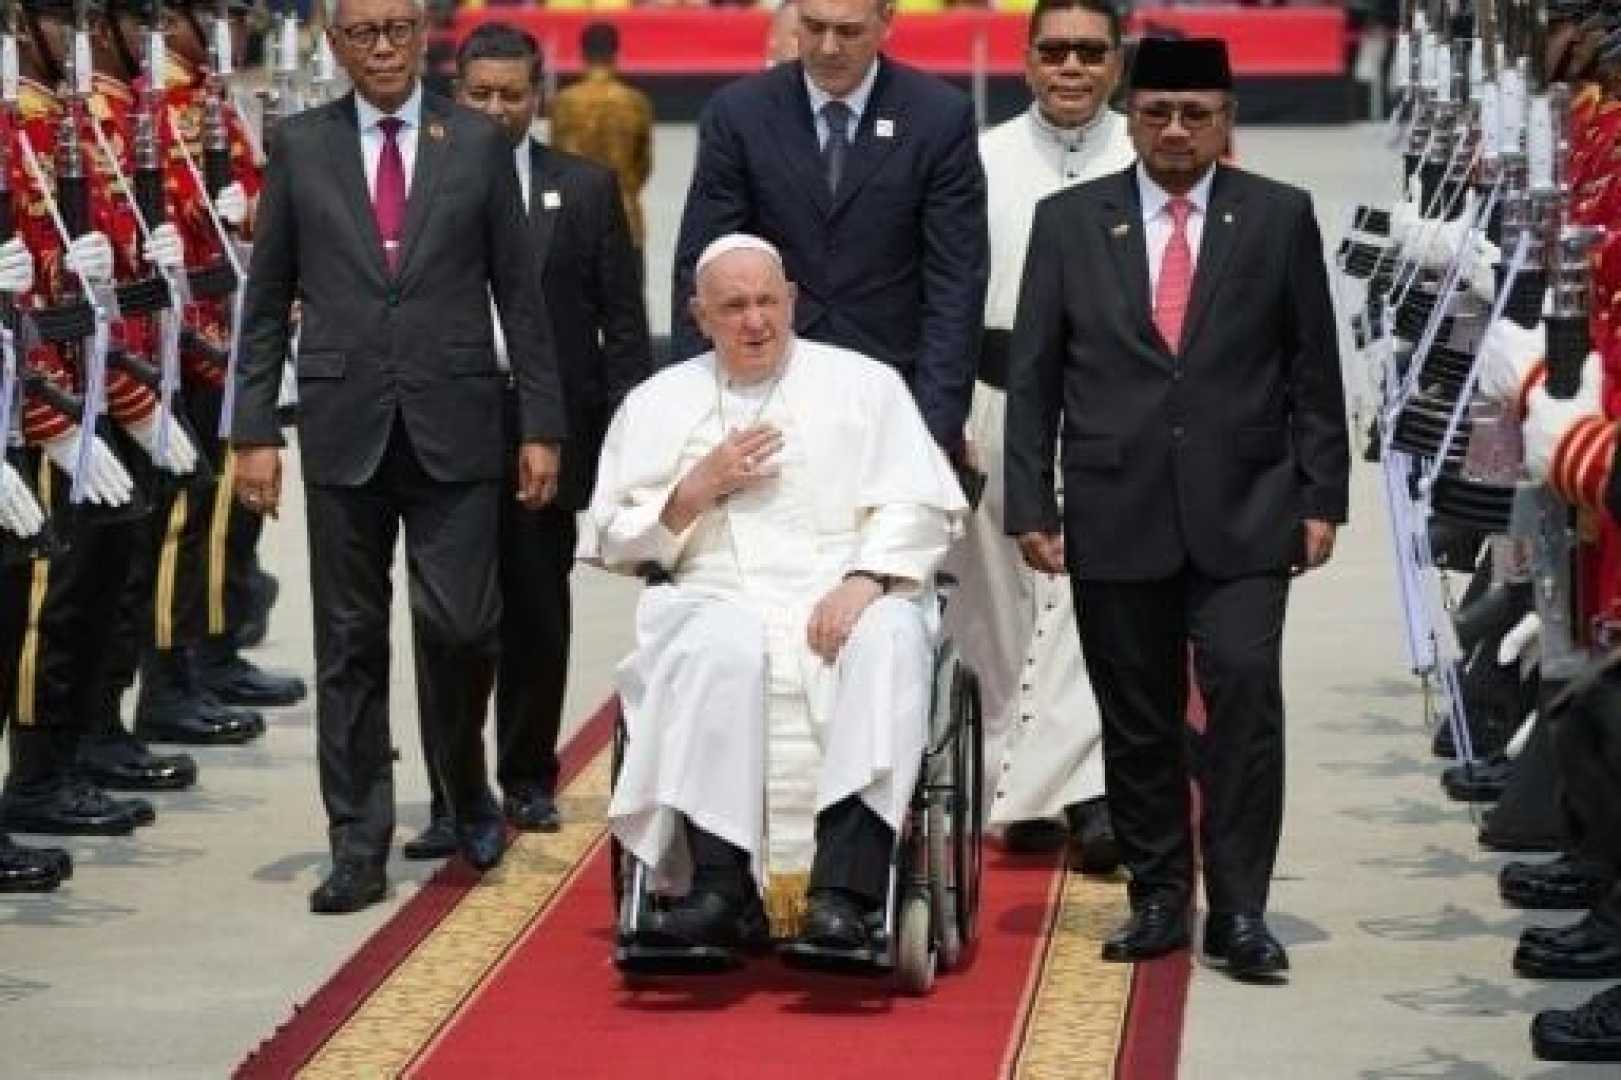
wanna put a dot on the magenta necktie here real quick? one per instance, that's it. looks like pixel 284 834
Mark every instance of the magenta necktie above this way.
pixel 388 203
pixel 1175 277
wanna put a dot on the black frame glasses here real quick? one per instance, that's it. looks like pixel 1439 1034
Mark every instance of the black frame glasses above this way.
pixel 365 35
pixel 1194 115
pixel 1055 52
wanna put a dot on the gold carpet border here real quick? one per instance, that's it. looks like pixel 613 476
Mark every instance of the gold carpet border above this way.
pixel 399 1020
pixel 1079 1014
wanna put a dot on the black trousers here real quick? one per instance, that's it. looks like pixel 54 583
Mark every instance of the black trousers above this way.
pixel 1587 750
pixel 854 849
pixel 1136 638
pixel 451 549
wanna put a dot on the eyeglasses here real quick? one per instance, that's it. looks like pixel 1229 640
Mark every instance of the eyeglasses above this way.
pixel 1053 52
pixel 1195 117
pixel 364 35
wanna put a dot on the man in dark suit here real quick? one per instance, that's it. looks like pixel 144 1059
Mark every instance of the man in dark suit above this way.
pixel 395 216
pixel 591 279
pixel 1177 314
pixel 865 174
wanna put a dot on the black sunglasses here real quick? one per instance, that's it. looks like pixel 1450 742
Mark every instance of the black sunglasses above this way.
pixel 1054 51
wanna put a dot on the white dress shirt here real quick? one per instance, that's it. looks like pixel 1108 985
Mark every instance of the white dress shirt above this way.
pixel 371 136
pixel 1157 220
pixel 523 159
pixel 855 99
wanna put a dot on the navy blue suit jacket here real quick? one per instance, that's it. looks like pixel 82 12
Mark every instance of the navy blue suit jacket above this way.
pixel 894 265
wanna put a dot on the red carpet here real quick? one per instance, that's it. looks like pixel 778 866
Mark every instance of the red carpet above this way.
pixel 559 1000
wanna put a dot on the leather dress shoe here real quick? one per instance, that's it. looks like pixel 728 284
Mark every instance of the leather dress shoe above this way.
pixel 1037 835
pixel 72 809
pixel 437 841
pixel 254 627
pixel 1093 848
pixel 705 918
pixel 121 762
pixel 1478 781
pixel 26 869
pixel 188 724
pixel 225 674
pixel 1244 945
pixel 1567 883
pixel 140 811
pixel 1155 928
pixel 482 843
pixel 834 919
pixel 349 888
pixel 532 811
pixel 1590 1032
pixel 1591 949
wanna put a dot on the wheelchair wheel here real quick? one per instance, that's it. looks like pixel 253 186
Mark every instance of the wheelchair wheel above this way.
pixel 914 945
pixel 967 810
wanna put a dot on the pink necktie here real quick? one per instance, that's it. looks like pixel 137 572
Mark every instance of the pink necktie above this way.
pixel 1175 277
pixel 388 204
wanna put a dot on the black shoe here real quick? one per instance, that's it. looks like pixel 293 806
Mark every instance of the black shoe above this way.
pixel 1565 884
pixel 1478 781
pixel 1155 928
pixel 706 919
pixel 1590 1032
pixel 1093 848
pixel 222 672
pixel 1038 835
pixel 437 841
pixel 349 888
pixel 1589 950
pixel 73 809
pixel 482 843
pixel 171 709
pixel 140 811
pixel 210 707
pixel 255 624
pixel 121 762
pixel 834 919
pixel 532 811
pixel 26 869
pixel 1244 945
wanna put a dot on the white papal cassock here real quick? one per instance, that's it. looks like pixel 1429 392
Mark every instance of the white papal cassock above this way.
pixel 1016 627
pixel 732 720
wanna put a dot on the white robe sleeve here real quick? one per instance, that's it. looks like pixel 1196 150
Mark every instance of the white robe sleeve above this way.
pixel 621 530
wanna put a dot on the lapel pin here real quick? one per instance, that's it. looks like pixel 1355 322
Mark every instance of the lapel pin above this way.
pixel 436 130
pixel 551 200
pixel 884 128
pixel 1120 231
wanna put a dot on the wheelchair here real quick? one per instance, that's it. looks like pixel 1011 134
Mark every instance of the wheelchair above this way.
pixel 929 922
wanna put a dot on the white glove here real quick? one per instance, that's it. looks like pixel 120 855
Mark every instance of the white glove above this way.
pixel 179 457
pixel 16 267
pixel 1405 219
pixel 1548 418
pixel 1480 265
pixel 1518 640
pixel 1443 240
pixel 1507 354
pixel 20 514
pixel 92 256
pixel 106 483
pixel 231 204
pixel 164 248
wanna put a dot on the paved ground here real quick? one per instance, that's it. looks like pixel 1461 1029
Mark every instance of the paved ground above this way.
pixel 172 952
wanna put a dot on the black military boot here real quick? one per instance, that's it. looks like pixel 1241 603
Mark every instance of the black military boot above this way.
pixel 224 673
pixel 1590 1032
pixel 114 759
pixel 171 710
pixel 1591 949
pixel 1568 883
pixel 27 869
pixel 72 807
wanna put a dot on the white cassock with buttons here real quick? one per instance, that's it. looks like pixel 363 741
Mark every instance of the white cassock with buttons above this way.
pixel 1016 627
pixel 732 721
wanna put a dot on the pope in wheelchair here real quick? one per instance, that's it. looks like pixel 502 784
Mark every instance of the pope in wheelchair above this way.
pixel 790 510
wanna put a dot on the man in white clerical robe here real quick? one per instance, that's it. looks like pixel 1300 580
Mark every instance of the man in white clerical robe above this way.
pixel 1014 625
pixel 777 700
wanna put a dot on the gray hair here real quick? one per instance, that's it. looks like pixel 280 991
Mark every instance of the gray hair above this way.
pixel 330 9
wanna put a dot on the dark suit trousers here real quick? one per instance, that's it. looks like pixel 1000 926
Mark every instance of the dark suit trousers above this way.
pixel 1136 636
pixel 450 544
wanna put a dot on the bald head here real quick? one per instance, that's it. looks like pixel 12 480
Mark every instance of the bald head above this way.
pixel 744 304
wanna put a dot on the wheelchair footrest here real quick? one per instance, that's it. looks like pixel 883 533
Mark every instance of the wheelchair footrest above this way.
pixel 640 959
pixel 869 961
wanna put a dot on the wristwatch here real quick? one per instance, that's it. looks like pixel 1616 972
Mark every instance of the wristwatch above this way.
pixel 883 581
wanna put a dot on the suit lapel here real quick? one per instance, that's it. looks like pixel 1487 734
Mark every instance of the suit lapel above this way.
pixel 433 142
pixel 1124 237
pixel 349 169
pixel 871 147
pixel 796 136
pixel 1221 225
pixel 543 177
